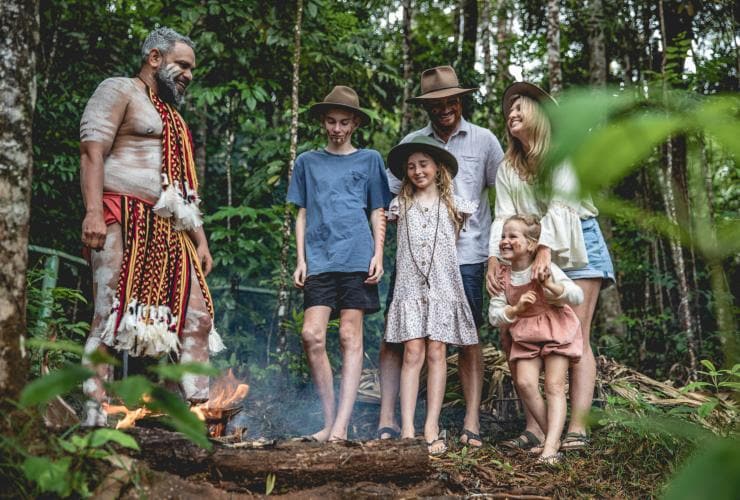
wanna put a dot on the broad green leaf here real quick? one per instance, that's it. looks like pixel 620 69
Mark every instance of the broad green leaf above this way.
pixel 609 153
pixel 131 389
pixel 56 345
pixel 180 416
pixel 100 437
pixel 706 408
pixel 711 473
pixel 176 371
pixel 50 475
pixel 54 384
pixel 709 366
pixel 719 116
pixel 99 357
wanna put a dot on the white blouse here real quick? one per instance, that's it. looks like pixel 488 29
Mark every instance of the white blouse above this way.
pixel 572 294
pixel 560 218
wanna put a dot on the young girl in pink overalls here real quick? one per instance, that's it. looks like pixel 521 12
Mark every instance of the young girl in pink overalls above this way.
pixel 538 329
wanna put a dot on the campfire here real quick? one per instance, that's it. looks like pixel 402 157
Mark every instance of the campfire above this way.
pixel 226 396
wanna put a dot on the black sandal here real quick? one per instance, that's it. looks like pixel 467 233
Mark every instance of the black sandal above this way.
pixel 470 435
pixel 526 441
pixel 392 433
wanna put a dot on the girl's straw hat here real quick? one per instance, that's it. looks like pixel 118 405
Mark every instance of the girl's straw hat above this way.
pixel 421 143
pixel 340 97
pixel 527 89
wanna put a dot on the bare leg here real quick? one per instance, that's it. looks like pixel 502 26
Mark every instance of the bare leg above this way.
pixel 194 341
pixel 471 376
pixel 583 373
pixel 436 380
pixel 106 267
pixel 413 360
pixel 531 422
pixel 528 386
pixel 315 321
pixel 391 358
pixel 350 340
pixel 556 368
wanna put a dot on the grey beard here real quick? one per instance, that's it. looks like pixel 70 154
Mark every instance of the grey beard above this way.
pixel 167 88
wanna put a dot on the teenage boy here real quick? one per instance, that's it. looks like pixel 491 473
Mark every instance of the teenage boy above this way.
pixel 339 262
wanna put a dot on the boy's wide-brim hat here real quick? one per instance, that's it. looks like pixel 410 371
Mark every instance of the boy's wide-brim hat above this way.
pixel 399 155
pixel 530 90
pixel 438 83
pixel 341 97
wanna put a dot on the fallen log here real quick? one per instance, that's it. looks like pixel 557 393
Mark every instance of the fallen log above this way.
pixel 292 462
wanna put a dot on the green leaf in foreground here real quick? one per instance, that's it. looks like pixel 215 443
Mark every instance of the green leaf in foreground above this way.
pixel 100 437
pixel 175 372
pixel 180 416
pixel 49 475
pixel 711 473
pixel 131 389
pixel 54 384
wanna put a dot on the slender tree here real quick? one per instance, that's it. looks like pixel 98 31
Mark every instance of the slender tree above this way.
pixel 554 67
pixel 408 65
pixel 283 295
pixel 19 31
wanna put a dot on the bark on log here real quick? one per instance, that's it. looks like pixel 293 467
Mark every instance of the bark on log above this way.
pixel 292 462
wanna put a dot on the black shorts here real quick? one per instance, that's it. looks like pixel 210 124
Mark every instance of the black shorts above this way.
pixel 341 291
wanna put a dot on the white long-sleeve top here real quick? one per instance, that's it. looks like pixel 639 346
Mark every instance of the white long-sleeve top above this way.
pixel 572 294
pixel 560 218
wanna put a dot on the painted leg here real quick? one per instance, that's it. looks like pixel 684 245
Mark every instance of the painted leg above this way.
pixel 583 373
pixel 391 359
pixel 315 320
pixel 194 343
pixel 413 360
pixel 350 341
pixel 106 267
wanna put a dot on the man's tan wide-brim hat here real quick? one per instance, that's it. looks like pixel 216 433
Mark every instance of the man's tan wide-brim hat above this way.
pixel 438 83
pixel 530 90
pixel 341 97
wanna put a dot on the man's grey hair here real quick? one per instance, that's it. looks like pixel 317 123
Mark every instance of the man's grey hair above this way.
pixel 163 39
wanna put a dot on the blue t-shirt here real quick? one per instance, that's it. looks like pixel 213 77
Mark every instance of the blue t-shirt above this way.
pixel 338 193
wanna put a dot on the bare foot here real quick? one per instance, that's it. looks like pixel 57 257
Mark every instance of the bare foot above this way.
pixel 322 436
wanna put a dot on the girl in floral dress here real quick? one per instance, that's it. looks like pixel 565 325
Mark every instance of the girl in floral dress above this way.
pixel 429 309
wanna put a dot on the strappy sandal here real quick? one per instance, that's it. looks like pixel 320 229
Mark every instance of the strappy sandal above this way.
pixel 392 433
pixel 551 460
pixel 470 436
pixel 526 441
pixel 441 439
pixel 575 441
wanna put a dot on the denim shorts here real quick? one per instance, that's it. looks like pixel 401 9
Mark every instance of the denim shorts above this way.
pixel 599 262
pixel 472 278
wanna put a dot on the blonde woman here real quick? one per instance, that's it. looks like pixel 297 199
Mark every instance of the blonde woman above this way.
pixel 570 237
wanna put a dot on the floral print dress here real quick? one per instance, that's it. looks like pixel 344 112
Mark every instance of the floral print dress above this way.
pixel 429 298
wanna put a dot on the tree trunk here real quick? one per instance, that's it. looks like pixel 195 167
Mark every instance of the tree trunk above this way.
pixel 596 45
pixel 485 41
pixel 19 31
pixel 468 37
pixel 553 47
pixel 283 294
pixel 408 67
pixel 201 134
pixel 503 32
pixel 292 462
pixel 668 176
pixel 609 311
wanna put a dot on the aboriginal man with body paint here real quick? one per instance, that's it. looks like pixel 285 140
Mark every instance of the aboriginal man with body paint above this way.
pixel 149 252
